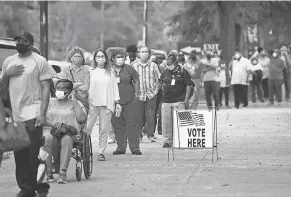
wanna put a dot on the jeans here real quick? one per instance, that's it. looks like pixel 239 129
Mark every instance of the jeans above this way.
pixel 286 77
pixel 265 87
pixel 1 158
pixel 147 110
pixel 257 88
pixel 158 114
pixel 212 88
pixel 275 88
pixel 240 92
pixel 193 101
pixel 127 127
pixel 167 121
pixel 104 115
pixel 224 91
pixel 27 161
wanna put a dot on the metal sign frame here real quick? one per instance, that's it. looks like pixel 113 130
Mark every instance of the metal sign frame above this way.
pixel 214 136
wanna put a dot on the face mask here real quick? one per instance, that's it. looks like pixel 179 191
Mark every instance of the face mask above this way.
pixel 275 54
pixel 119 61
pixel 22 48
pixel 100 61
pixel 237 56
pixel 222 65
pixel 144 56
pixel 171 67
pixel 60 94
pixel 255 63
pixel 77 62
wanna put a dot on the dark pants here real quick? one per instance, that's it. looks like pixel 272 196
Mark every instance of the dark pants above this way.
pixel 212 88
pixel 240 95
pixel 27 161
pixel 127 126
pixel 265 87
pixel 286 77
pixel 257 88
pixel 1 157
pixel 275 88
pixel 158 115
pixel 147 110
pixel 224 91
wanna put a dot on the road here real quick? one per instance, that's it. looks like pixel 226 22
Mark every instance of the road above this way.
pixel 254 160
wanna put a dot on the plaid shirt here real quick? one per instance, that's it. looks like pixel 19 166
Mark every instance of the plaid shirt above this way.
pixel 148 77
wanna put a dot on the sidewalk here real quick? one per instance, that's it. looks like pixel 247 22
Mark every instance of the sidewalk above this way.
pixel 255 160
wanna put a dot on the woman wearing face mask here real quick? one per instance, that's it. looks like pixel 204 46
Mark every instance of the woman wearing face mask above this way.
pixel 64 117
pixel 275 81
pixel 176 86
pixel 224 78
pixel 240 68
pixel 256 80
pixel 79 74
pixel 126 125
pixel 103 97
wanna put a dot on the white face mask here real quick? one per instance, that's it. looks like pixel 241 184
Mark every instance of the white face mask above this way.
pixel 100 61
pixel 236 56
pixel 275 54
pixel 119 61
pixel 222 65
pixel 60 94
pixel 144 56
pixel 171 67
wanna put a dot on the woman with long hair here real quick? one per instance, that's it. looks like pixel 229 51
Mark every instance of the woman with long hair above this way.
pixel 79 74
pixel 103 98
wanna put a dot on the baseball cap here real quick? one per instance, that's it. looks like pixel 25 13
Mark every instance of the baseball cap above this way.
pixel 26 35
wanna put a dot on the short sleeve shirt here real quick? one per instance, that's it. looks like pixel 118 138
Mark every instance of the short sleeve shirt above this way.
pixel 25 89
pixel 173 93
pixel 126 88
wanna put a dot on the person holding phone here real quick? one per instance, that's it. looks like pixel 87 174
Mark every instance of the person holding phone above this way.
pixel 176 85
pixel 126 122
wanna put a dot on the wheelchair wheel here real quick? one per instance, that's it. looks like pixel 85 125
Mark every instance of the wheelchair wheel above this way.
pixel 87 156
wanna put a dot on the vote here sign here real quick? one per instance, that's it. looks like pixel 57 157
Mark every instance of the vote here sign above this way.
pixel 192 129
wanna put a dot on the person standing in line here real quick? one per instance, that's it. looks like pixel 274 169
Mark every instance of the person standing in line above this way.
pixel 148 75
pixel 256 80
pixel 132 54
pixel 29 89
pixel 277 66
pixel 176 85
pixel 264 61
pixel 126 126
pixel 103 98
pixel 240 68
pixel 211 79
pixel 224 78
pixel 286 72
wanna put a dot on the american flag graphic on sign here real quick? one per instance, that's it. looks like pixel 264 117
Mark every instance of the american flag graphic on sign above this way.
pixel 189 118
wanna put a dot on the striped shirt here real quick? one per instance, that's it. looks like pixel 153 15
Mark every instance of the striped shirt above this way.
pixel 81 75
pixel 148 76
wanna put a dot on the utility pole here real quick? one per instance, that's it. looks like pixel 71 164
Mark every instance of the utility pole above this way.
pixel 145 15
pixel 102 26
pixel 44 28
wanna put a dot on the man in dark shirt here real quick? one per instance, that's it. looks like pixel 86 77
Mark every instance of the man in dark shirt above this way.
pixel 176 86
pixel 275 81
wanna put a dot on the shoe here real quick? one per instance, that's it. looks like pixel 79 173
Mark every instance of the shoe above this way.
pixel 23 193
pixel 118 152
pixel 166 145
pixel 49 177
pixel 209 108
pixel 62 177
pixel 101 157
pixel 137 152
pixel 42 189
pixel 151 139
pixel 111 141
pixel 217 108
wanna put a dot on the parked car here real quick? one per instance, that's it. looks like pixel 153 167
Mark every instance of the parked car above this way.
pixel 8 48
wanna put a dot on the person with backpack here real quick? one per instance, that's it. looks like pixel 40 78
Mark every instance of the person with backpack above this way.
pixel 176 85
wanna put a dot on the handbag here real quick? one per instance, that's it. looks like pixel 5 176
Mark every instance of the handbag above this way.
pixel 62 129
pixel 84 101
pixel 13 135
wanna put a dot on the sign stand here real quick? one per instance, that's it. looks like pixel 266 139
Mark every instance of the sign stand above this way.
pixel 214 145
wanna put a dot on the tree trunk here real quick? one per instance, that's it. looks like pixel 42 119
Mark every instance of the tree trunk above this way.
pixel 227 38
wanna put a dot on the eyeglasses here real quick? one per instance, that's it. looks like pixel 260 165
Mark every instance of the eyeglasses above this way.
pixel 77 57
pixel 101 56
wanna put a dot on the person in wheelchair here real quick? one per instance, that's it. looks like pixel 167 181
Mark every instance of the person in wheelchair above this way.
pixel 65 117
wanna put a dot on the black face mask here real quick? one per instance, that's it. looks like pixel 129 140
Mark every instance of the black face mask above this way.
pixel 22 48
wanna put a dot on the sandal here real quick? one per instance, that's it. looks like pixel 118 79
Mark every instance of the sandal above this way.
pixel 101 157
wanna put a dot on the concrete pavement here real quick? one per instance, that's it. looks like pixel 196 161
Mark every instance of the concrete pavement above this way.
pixel 255 160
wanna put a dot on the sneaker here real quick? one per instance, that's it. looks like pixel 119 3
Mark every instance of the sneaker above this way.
pixel 140 139
pixel 49 177
pixel 62 178
pixel 118 152
pixel 151 139
pixel 137 152
pixel 166 145
pixel 111 141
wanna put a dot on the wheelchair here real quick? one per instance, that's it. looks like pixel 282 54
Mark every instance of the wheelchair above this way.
pixel 83 154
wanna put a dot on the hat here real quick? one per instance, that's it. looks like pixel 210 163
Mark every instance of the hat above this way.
pixel 26 35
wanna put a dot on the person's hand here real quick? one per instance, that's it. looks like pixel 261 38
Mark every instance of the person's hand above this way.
pixel 159 85
pixel 186 102
pixel 15 70
pixel 40 121
pixel 118 110
pixel 77 84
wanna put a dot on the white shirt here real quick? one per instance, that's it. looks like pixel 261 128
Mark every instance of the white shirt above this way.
pixel 254 68
pixel 240 71
pixel 265 63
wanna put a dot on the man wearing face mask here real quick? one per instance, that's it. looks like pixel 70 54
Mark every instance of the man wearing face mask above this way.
pixel 277 65
pixel 264 61
pixel 149 75
pixel 210 79
pixel 29 88
pixel 240 68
